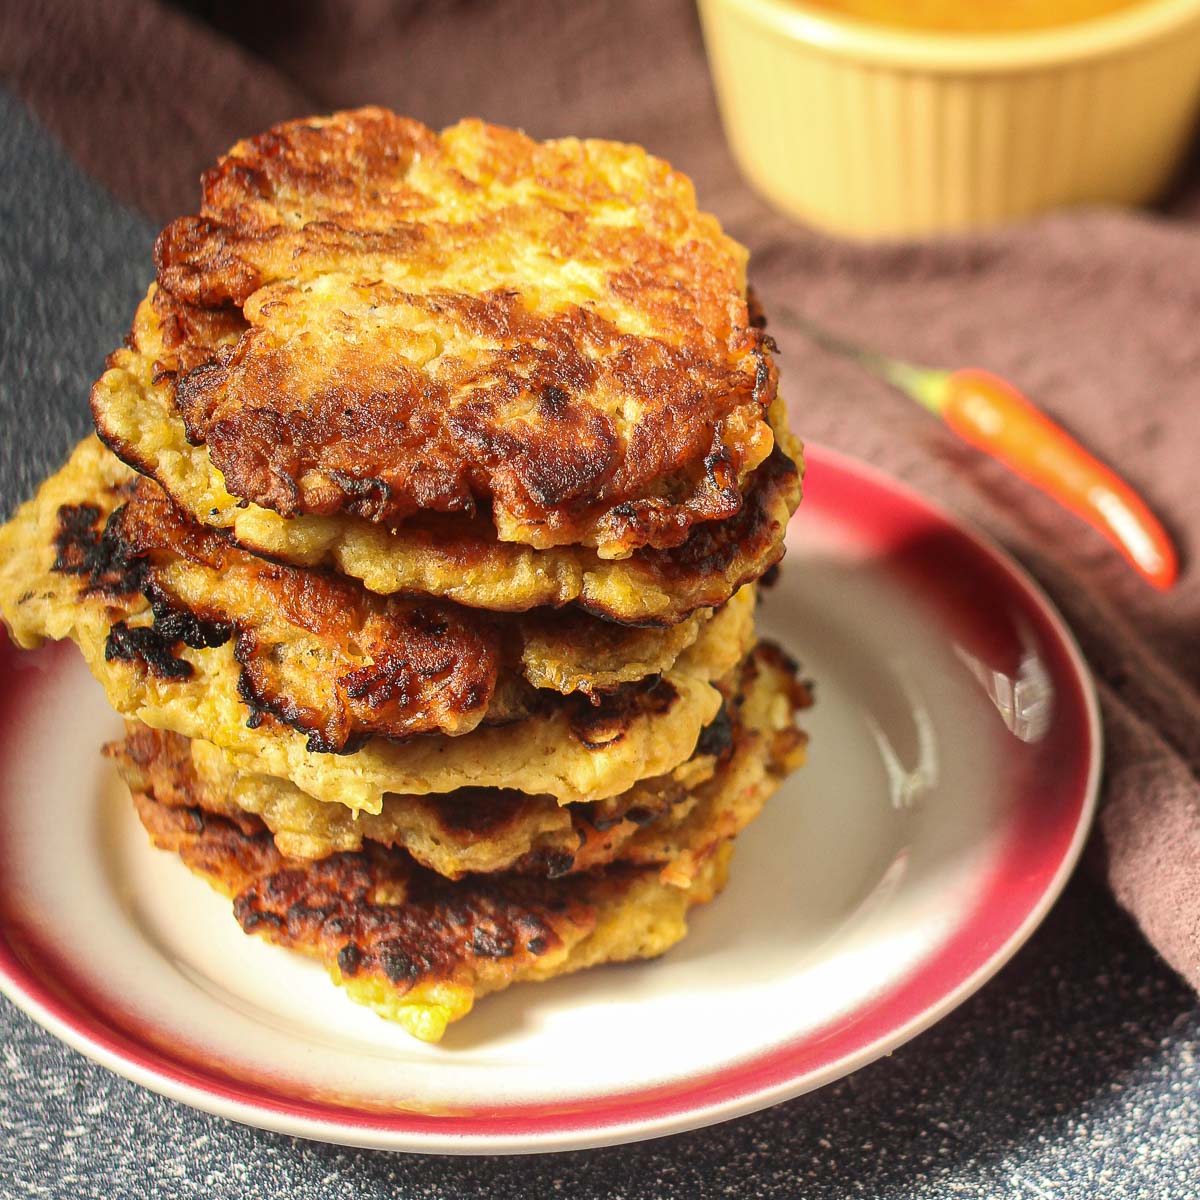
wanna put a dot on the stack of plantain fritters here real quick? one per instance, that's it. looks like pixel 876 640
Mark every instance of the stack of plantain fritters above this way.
pixel 418 549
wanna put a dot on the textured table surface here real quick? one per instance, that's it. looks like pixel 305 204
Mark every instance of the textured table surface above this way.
pixel 1073 1074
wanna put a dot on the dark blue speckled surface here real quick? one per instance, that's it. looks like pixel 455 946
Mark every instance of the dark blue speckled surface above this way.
pixel 1073 1075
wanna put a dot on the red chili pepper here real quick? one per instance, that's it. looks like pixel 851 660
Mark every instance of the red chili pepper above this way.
pixel 993 416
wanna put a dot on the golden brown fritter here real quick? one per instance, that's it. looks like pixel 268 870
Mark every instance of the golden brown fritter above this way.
pixel 182 674
pixel 315 651
pixel 472 830
pixel 415 947
pixel 450 555
pixel 397 321
pixel 318 652
pixel 674 819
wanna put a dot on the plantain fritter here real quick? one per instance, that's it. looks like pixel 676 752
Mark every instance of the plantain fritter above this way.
pixel 739 760
pixel 473 830
pixel 181 673
pixel 414 946
pixel 456 556
pixel 315 651
pixel 369 317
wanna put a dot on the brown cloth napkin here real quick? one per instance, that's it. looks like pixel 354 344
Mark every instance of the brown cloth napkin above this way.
pixel 1092 312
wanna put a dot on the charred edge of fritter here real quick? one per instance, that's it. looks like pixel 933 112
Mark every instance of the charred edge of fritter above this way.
pixel 329 737
pixel 596 726
pixel 752 534
pixel 602 717
pixel 118 447
pixel 568 469
pixel 155 645
pixel 328 908
pixel 640 815
pixel 714 483
pixel 547 863
pixel 96 552
pixel 717 737
pixel 713 547
pixel 262 708
pixel 177 623
pixel 142 644
pixel 596 720
pixel 757 318
pixel 800 691
pixel 111 565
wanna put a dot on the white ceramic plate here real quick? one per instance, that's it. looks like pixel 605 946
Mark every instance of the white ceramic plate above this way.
pixel 952 775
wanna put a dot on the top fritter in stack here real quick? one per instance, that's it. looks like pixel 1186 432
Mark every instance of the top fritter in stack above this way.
pixel 429 596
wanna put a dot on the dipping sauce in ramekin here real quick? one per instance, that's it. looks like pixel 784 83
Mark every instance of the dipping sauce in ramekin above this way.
pixel 874 129
pixel 973 16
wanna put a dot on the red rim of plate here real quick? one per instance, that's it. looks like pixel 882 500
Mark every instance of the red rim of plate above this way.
pixel 1044 840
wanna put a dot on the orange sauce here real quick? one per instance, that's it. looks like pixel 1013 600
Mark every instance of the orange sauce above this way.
pixel 973 16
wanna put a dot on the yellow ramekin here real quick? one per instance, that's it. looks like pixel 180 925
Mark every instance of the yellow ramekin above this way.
pixel 873 132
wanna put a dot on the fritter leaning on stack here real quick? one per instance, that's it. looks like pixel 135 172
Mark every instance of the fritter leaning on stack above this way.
pixel 418 549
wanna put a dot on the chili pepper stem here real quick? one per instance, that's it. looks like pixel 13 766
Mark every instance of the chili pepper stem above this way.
pixel 926 385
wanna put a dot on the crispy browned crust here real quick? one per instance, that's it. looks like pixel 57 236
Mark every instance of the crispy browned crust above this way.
pixel 418 947
pixel 316 651
pixel 720 557
pixel 324 656
pixel 740 758
pixel 373 911
pixel 704 571
pixel 451 555
pixel 352 324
